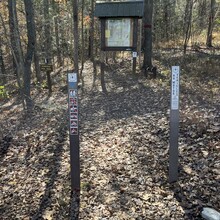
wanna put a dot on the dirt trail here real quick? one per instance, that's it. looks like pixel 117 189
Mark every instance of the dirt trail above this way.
pixel 124 152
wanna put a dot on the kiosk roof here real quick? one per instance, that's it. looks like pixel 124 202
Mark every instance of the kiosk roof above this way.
pixel 119 9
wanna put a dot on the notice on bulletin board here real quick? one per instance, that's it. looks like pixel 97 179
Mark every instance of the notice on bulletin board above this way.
pixel 119 32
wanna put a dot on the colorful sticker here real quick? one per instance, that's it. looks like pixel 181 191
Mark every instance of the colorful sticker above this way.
pixel 73 116
pixel 73 124
pixel 74 131
pixel 72 77
pixel 72 93
pixel 73 101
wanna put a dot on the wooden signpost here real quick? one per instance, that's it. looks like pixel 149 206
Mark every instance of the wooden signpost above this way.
pixel 48 68
pixel 174 125
pixel 74 130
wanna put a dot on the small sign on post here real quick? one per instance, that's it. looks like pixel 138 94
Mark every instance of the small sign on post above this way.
pixel 74 130
pixel 46 67
pixel 134 55
pixel 174 125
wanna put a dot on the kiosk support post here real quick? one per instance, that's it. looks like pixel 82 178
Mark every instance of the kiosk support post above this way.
pixel 134 54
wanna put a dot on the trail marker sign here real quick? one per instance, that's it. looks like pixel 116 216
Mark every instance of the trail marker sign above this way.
pixel 46 67
pixel 174 125
pixel 74 130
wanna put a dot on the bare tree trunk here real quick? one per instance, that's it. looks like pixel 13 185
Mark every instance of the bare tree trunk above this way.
pixel 91 44
pixel 8 41
pixel 102 56
pixel 56 27
pixel 211 23
pixel 31 35
pixel 82 39
pixel 37 65
pixel 15 37
pixel 82 46
pixel 188 21
pixel 62 36
pixel 75 36
pixel 91 35
pixel 47 42
pixel 202 13
pixel 59 59
pixel 166 19
pixel 16 46
pixel 148 13
pixel 2 65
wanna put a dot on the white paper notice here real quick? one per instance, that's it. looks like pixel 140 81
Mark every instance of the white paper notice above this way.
pixel 118 32
pixel 72 77
pixel 175 88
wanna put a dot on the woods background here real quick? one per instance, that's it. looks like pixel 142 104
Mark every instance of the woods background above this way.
pixel 124 134
pixel 34 31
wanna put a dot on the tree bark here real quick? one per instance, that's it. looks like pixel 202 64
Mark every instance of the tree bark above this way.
pixel 187 23
pixel 17 52
pixel 102 57
pixel 47 36
pixel 211 23
pixel 82 45
pixel 2 65
pixel 148 13
pixel 75 36
pixel 166 19
pixel 37 65
pixel 15 39
pixel 31 35
pixel 91 35
pixel 56 28
pixel 82 41
pixel 91 43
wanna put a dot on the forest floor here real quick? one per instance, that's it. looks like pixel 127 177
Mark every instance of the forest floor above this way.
pixel 124 141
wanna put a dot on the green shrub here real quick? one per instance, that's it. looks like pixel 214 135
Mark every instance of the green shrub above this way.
pixel 3 93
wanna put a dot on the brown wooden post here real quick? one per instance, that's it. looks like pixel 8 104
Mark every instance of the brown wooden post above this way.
pixel 103 72
pixel 135 38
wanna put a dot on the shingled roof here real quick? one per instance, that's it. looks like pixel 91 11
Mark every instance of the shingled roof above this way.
pixel 119 9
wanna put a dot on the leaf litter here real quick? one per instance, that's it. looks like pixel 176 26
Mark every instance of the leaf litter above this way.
pixel 124 141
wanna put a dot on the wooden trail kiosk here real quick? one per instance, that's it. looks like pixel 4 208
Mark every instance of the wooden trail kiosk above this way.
pixel 119 26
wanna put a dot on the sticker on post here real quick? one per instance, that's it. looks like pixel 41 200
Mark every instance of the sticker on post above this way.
pixel 73 101
pixel 73 109
pixel 72 93
pixel 134 54
pixel 73 116
pixel 73 131
pixel 72 77
pixel 73 124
